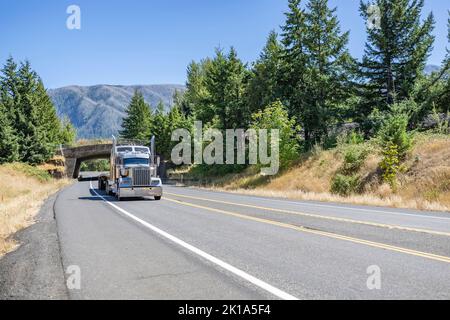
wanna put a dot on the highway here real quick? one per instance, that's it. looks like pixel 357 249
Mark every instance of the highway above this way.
pixel 197 244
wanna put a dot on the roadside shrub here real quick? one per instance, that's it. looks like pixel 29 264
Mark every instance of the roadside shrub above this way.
pixel 374 122
pixel 394 131
pixel 95 165
pixel 354 137
pixel 275 116
pixel 354 157
pixel 395 141
pixel 391 165
pixel 442 122
pixel 345 185
pixel 354 152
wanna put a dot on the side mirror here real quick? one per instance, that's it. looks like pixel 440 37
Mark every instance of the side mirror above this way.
pixel 124 172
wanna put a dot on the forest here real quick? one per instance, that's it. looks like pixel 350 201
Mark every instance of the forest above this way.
pixel 306 84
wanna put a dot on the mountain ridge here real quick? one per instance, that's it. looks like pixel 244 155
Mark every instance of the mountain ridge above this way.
pixel 97 111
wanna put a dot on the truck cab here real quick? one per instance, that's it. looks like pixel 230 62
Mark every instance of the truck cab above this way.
pixel 133 172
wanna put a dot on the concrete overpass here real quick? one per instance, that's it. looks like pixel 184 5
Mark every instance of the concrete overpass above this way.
pixel 74 156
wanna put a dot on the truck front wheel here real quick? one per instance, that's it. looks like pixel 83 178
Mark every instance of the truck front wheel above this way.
pixel 157 198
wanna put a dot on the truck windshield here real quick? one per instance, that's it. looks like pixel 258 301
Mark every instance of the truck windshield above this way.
pixel 135 161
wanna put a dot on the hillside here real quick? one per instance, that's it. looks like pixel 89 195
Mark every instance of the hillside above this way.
pixel 23 188
pixel 97 111
pixel 424 185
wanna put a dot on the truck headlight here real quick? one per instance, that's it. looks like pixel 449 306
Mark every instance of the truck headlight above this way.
pixel 125 181
pixel 155 182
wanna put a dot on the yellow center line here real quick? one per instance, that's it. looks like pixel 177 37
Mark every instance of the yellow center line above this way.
pixel 317 232
pixel 311 215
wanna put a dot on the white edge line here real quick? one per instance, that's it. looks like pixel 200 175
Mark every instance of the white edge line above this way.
pixel 306 203
pixel 257 282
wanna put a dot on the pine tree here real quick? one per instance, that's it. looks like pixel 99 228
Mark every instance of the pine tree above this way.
pixel 330 67
pixel 294 59
pixel 10 96
pixel 196 92
pixel 47 120
pixel 30 112
pixel 396 52
pixel 159 129
pixel 9 148
pixel 137 123
pixel 263 88
pixel 68 132
pixel 317 75
pixel 37 145
pixel 225 81
pixel 432 92
pixel 444 94
pixel 179 100
pixel 175 119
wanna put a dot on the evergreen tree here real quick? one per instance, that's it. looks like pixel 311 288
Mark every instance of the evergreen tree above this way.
pixel 9 83
pixel 275 116
pixel 31 113
pixel 317 68
pixel 175 119
pixel 9 148
pixel 47 120
pixel 196 92
pixel 263 88
pixel 225 81
pixel 294 58
pixel 68 132
pixel 432 92
pixel 159 129
pixel 443 97
pixel 330 68
pixel 395 54
pixel 138 120
pixel 39 127
pixel 179 100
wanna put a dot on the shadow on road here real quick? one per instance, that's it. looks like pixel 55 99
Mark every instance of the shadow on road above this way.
pixel 95 197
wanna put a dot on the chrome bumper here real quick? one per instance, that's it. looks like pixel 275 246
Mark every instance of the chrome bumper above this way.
pixel 140 192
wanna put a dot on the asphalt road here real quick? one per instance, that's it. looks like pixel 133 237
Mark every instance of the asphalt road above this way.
pixel 196 244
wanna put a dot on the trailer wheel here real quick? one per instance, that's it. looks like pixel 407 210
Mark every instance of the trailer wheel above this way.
pixel 157 198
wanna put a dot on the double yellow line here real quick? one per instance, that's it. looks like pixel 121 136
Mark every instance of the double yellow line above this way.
pixel 310 231
pixel 311 215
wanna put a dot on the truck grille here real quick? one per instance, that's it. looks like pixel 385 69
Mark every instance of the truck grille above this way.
pixel 141 177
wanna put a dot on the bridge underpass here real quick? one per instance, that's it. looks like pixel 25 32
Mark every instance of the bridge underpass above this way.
pixel 74 156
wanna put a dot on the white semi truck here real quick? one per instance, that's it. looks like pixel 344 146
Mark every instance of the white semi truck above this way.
pixel 133 171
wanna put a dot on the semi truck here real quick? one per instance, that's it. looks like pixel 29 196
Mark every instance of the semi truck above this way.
pixel 133 171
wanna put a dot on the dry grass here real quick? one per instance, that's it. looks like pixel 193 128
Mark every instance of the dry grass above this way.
pixel 88 142
pixel 425 185
pixel 22 191
pixel 394 201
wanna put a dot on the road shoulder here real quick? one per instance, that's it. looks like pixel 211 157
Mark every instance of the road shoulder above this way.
pixel 34 270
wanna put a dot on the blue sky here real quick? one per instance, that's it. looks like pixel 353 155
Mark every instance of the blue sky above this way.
pixel 152 41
